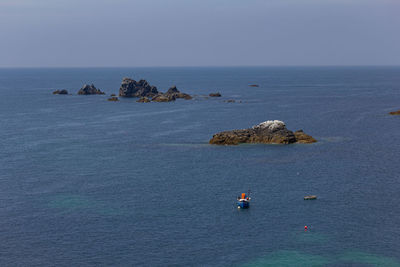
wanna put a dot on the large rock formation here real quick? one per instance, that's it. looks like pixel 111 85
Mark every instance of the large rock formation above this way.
pixel 132 88
pixel 60 92
pixel 268 132
pixel 90 90
pixel 395 112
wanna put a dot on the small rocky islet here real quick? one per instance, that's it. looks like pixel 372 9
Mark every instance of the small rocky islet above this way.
pixel 90 90
pixel 268 132
pixel 395 112
pixel 60 92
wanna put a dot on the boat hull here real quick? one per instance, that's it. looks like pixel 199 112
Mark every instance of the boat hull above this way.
pixel 243 204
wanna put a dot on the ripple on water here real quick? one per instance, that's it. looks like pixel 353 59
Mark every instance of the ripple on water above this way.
pixel 285 258
pixel 76 203
pixel 354 257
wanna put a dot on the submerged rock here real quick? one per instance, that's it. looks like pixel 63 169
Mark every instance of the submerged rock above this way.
pixel 395 112
pixel 215 94
pixel 311 197
pixel 143 100
pixel 254 85
pixel 268 132
pixel 90 90
pixel 60 92
pixel 230 101
pixel 132 88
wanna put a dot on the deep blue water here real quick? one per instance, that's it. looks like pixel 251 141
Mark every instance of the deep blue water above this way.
pixel 88 182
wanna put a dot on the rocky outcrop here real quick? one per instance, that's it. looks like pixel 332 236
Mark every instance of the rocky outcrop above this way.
pixel 303 138
pixel 215 94
pixel 132 88
pixel 163 98
pixel 395 112
pixel 143 100
pixel 60 92
pixel 173 91
pixel 142 89
pixel 113 98
pixel 90 90
pixel 268 132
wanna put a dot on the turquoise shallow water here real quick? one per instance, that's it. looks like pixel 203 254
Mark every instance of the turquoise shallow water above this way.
pixel 88 182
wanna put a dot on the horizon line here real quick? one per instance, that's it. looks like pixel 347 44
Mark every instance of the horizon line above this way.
pixel 192 66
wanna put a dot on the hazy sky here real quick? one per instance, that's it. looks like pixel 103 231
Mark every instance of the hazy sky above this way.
pixel 36 33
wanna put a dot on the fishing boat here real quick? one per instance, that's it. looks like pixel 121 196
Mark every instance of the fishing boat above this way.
pixel 243 201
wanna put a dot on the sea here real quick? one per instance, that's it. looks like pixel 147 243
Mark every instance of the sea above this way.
pixel 88 182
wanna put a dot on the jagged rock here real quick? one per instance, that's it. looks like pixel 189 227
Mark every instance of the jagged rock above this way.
pixel 395 112
pixel 90 90
pixel 173 91
pixel 268 132
pixel 215 94
pixel 60 92
pixel 132 88
pixel 163 98
pixel 113 98
pixel 143 100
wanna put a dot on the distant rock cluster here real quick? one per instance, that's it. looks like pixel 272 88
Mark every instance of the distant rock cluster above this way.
pixel 139 89
pixel 268 132
pixel 148 93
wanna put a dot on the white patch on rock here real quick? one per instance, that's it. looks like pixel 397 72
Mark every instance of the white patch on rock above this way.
pixel 271 125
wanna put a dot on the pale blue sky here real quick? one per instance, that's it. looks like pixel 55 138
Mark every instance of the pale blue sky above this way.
pixel 67 33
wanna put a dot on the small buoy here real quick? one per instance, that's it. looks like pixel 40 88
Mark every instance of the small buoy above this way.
pixel 305 227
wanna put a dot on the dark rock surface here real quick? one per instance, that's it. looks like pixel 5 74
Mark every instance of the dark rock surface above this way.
pixel 132 88
pixel 395 112
pixel 268 132
pixel 60 92
pixel 215 94
pixel 90 90
pixel 173 91
pixel 113 98
pixel 143 100
pixel 163 98
pixel 254 85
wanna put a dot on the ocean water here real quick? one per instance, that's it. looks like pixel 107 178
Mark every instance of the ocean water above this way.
pixel 87 182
